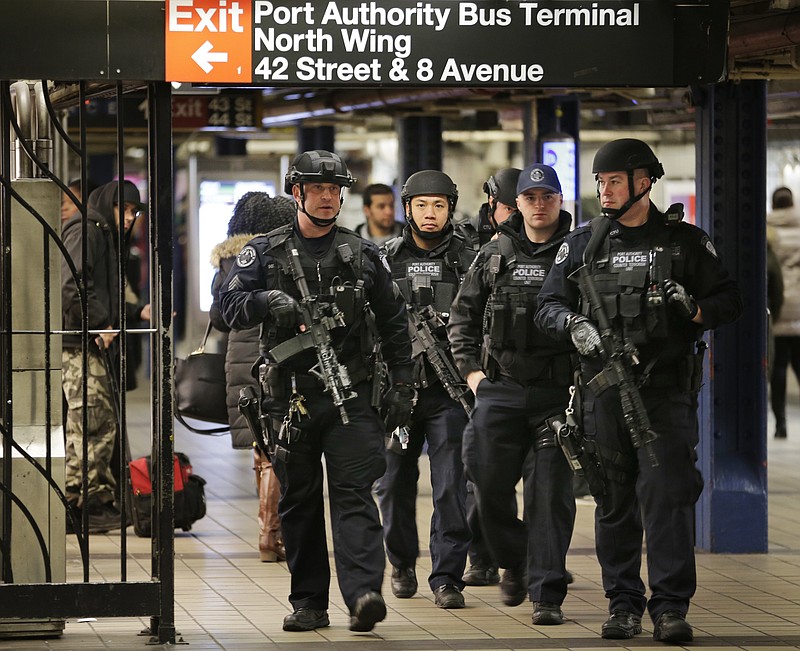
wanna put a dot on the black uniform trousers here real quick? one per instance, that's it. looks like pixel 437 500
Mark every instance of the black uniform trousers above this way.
pixel 439 420
pixel 353 461
pixel 658 501
pixel 498 451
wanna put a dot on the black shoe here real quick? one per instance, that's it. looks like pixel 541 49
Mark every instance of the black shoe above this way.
pixel 621 625
pixel 479 574
pixel 103 518
pixel 780 431
pixel 404 582
pixel 569 578
pixel 513 587
pixel 306 619
pixel 547 614
pixel 370 609
pixel 671 626
pixel 448 597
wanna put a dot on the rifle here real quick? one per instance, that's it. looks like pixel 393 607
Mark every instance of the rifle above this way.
pixel 618 357
pixel 421 319
pixel 319 319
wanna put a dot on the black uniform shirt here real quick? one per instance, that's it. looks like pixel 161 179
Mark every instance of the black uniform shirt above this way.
pixel 243 301
pixel 702 274
pixel 465 328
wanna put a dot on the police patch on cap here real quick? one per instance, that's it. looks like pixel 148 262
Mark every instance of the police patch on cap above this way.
pixel 246 257
pixel 537 175
pixel 706 243
pixel 563 252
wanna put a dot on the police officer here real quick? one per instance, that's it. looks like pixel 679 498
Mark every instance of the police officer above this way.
pixel 501 201
pixel 427 263
pixel 520 378
pixel 661 284
pixel 344 273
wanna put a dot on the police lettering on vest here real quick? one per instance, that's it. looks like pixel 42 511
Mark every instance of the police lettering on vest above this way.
pixel 528 274
pixel 430 268
pixel 630 259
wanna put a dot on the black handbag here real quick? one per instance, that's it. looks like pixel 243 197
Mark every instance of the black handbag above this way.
pixel 200 388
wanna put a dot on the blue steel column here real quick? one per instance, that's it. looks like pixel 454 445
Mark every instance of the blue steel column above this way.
pixel 420 144
pixel 731 204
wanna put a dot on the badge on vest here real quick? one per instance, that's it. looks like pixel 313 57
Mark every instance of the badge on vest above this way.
pixel 629 260
pixel 430 268
pixel 528 274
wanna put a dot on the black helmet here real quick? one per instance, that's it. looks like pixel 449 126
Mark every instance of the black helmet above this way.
pixel 430 182
pixel 317 166
pixel 626 155
pixel 502 186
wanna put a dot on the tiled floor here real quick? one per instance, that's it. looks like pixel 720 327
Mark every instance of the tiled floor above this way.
pixel 226 599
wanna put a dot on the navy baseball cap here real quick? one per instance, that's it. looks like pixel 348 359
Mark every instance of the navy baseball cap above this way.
pixel 538 175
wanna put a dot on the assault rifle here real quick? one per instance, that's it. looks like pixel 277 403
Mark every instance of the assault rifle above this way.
pixel 319 319
pixel 618 356
pixel 421 319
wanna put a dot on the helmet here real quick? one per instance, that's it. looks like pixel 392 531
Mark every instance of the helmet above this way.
pixel 318 166
pixel 626 155
pixel 502 186
pixel 430 182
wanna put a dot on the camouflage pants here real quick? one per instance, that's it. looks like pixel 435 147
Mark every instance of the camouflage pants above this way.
pixel 101 427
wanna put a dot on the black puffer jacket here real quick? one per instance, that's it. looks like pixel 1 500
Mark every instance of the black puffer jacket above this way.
pixel 242 346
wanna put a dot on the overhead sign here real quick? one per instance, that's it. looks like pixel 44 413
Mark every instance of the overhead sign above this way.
pixel 421 43
pixel 342 43
pixel 209 40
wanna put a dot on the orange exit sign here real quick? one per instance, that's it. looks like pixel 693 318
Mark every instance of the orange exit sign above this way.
pixel 209 41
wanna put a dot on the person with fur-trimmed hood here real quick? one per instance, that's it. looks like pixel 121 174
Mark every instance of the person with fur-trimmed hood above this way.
pixel 256 213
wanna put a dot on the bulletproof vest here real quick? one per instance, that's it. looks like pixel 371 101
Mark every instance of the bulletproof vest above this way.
pixel 629 277
pixel 335 278
pixel 516 278
pixel 430 281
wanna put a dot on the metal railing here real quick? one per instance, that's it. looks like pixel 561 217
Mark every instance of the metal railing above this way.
pixel 30 364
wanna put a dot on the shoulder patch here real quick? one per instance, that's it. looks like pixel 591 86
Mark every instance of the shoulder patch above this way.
pixel 563 252
pixel 246 257
pixel 705 242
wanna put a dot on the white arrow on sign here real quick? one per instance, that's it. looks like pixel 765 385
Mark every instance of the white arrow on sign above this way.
pixel 203 56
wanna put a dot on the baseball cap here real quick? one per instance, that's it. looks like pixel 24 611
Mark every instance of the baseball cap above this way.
pixel 538 175
pixel 130 194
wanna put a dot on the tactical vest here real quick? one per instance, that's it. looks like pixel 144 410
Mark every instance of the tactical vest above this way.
pixel 514 342
pixel 629 277
pixel 429 281
pixel 335 278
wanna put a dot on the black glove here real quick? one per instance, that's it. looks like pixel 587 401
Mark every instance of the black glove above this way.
pixel 283 308
pixel 397 405
pixel 680 299
pixel 584 335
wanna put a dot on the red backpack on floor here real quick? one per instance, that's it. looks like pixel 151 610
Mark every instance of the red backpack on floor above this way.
pixel 190 495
